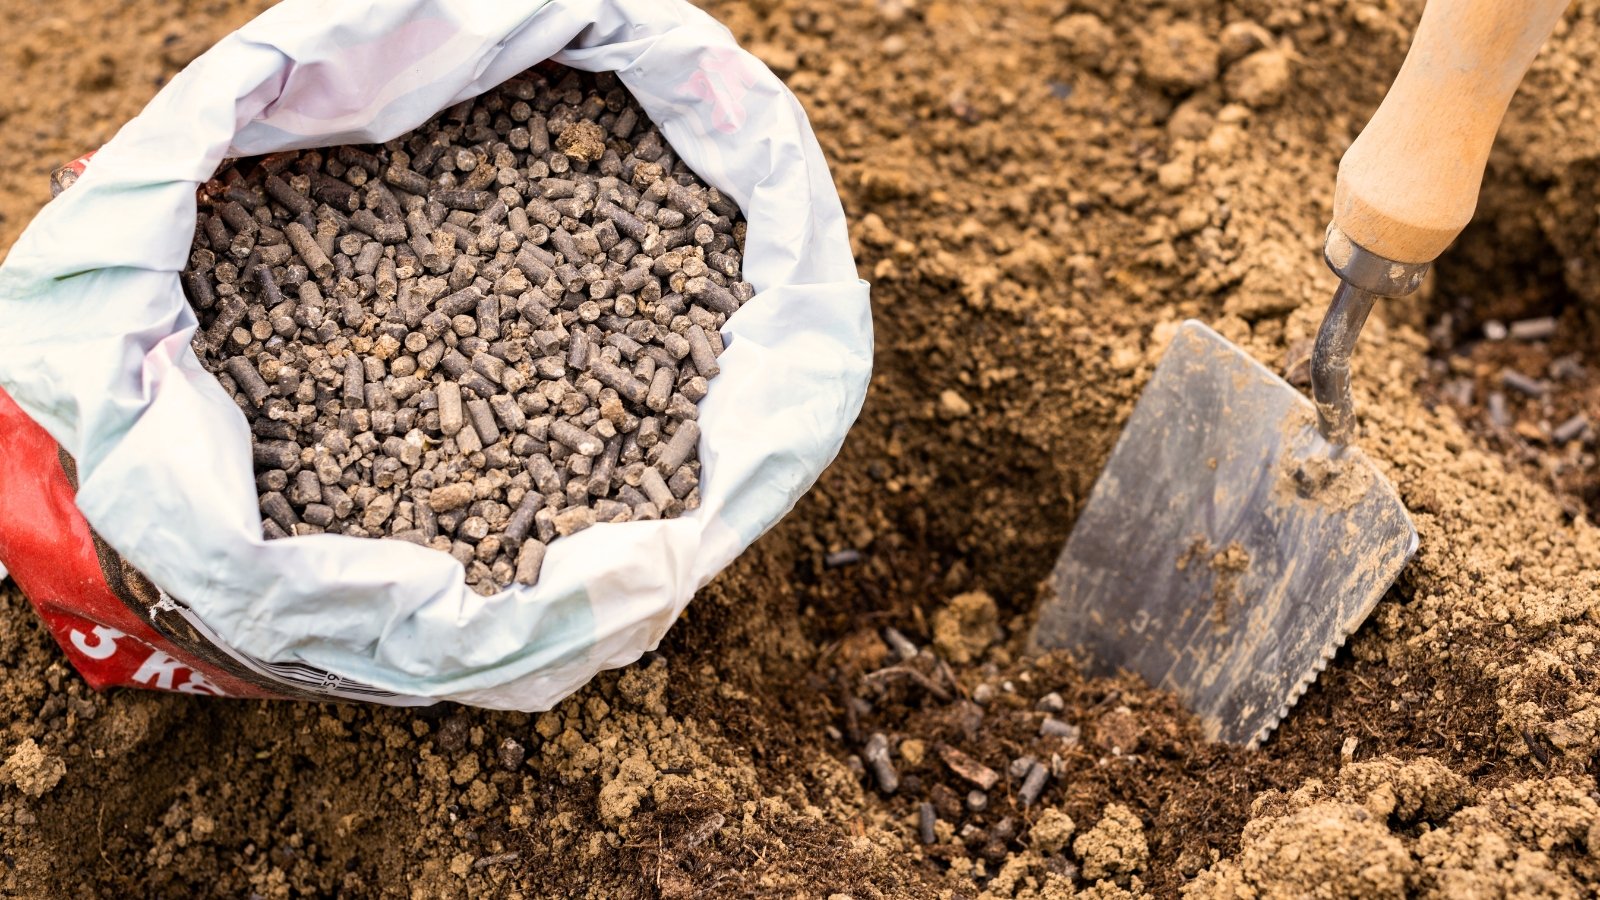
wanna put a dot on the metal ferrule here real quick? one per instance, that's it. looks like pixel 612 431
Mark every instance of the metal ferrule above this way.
pixel 1368 271
pixel 1364 276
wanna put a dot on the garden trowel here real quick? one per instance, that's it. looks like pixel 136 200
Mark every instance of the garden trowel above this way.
pixel 1237 536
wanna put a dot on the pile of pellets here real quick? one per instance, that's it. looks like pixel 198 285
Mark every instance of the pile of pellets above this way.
pixel 478 337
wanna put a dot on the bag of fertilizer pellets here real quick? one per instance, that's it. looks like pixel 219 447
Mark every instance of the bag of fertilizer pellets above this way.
pixel 317 464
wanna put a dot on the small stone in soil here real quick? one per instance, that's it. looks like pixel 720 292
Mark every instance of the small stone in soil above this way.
pixel 511 754
pixel 1494 330
pixel 982 694
pixel 1051 703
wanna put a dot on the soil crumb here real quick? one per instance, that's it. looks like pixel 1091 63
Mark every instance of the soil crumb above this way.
pixel 31 770
pixel 966 627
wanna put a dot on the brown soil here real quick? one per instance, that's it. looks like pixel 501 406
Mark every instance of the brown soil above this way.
pixel 1039 191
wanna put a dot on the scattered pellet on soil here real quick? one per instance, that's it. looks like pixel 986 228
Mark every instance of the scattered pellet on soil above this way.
pixel 1571 429
pixel 1537 329
pixel 467 340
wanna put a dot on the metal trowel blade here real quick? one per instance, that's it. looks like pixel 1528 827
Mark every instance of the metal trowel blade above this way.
pixel 1227 550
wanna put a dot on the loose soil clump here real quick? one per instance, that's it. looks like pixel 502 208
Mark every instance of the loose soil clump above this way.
pixel 1040 193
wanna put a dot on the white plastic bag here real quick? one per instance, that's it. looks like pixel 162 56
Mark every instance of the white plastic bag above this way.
pixel 95 332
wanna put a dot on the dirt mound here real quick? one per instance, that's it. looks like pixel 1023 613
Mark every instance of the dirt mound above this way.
pixel 1039 191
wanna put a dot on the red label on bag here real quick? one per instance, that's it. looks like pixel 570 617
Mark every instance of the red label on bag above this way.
pixel 114 625
pixel 56 560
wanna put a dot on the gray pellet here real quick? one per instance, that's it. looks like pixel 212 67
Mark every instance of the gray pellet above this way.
pixel 927 819
pixel 576 438
pixel 451 416
pixel 876 756
pixel 248 378
pixel 309 251
pixel 530 559
pixel 655 488
pixel 618 379
pixel 1537 329
pixel 1523 384
pixel 701 353
pixel 1499 414
pixel 482 417
pixel 838 559
pixel 677 450
pixel 1052 727
pixel 682 482
pixel 1033 784
pixel 1571 429
pixel 521 521
pixel 900 644
pixel 277 508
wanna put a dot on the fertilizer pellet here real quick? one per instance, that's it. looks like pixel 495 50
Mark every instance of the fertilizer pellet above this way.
pixel 1052 727
pixel 478 337
pixel 1019 767
pixel 1499 414
pixel 1033 784
pixel 1536 329
pixel 876 755
pixel 927 819
pixel 1571 429
pixel 900 644
pixel 1523 384
pixel 838 559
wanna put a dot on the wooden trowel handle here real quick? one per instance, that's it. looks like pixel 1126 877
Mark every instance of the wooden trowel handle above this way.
pixel 1409 183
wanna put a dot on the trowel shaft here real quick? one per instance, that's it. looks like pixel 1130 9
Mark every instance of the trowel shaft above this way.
pixel 1409 183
